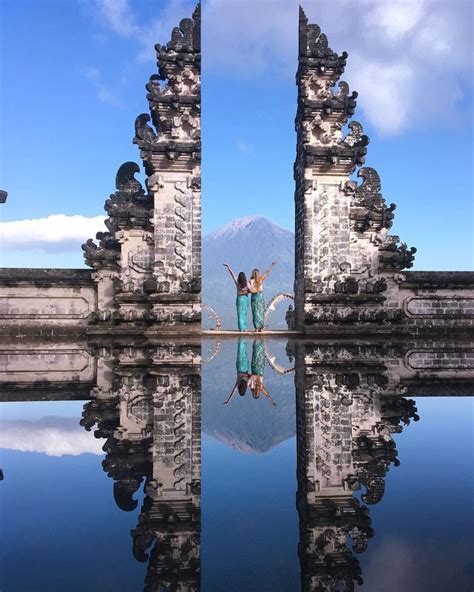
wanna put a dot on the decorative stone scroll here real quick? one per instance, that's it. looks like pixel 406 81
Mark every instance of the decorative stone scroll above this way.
pixel 342 241
pixel 147 265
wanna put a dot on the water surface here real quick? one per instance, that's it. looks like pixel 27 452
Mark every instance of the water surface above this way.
pixel 267 505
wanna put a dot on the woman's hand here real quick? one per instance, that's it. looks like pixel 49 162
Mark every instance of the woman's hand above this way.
pixel 265 275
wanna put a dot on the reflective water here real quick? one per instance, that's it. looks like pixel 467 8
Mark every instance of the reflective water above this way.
pixel 315 475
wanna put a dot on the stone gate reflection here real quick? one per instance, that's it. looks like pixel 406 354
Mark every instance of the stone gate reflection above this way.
pixel 350 400
pixel 147 404
pixel 346 416
pixel 145 400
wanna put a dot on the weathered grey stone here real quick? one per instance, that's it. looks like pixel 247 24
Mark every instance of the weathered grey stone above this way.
pixel 145 400
pixel 147 264
pixel 349 271
pixel 344 254
pixel 149 409
pixel 47 297
pixel 345 424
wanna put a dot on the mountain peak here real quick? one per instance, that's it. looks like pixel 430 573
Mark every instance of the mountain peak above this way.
pixel 258 223
pixel 246 243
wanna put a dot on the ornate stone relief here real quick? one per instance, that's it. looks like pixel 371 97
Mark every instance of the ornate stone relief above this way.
pixel 148 264
pixel 342 241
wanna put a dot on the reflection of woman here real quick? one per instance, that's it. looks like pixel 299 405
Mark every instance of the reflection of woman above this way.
pixel 258 367
pixel 242 301
pixel 257 300
pixel 242 367
pixel 244 377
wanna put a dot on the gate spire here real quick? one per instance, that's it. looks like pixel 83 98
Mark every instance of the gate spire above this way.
pixel 148 265
pixel 342 241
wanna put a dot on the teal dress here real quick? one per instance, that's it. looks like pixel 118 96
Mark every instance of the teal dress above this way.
pixel 242 304
pixel 258 310
pixel 258 357
pixel 242 362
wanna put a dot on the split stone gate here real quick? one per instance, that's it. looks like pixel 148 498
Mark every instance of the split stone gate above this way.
pixel 146 266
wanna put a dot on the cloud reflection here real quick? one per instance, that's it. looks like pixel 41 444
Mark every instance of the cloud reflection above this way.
pixel 403 566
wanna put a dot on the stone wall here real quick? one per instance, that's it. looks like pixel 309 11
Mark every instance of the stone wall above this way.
pixel 46 369
pixel 436 300
pixel 48 300
pixel 408 302
pixel 404 366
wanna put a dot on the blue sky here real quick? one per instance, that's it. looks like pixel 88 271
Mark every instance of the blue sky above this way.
pixel 73 77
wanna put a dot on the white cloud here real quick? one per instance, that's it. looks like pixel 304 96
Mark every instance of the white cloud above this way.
pixel 384 88
pixel 410 60
pixel 397 18
pixel 105 94
pixel 57 232
pixel 158 30
pixel 53 436
pixel 119 16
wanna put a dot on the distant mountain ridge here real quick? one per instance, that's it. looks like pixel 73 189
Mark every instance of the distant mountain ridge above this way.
pixel 246 243
pixel 248 224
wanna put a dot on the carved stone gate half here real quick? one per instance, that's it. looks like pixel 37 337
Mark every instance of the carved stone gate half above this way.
pixel 349 269
pixel 147 264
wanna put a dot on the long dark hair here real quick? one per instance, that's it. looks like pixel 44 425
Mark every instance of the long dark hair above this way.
pixel 242 280
pixel 242 387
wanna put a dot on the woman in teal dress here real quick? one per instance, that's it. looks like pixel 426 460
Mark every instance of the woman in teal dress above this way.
pixel 243 370
pixel 250 374
pixel 257 300
pixel 242 300
pixel 257 368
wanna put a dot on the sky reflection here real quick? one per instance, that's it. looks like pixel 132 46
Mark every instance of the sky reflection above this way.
pixel 235 509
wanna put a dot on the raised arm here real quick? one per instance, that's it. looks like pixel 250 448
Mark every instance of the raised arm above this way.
pixel 265 275
pixel 229 398
pixel 231 272
pixel 265 392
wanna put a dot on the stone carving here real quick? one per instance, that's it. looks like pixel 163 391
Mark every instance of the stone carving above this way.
pixel 148 263
pixel 151 421
pixel 124 257
pixel 395 256
pixel 182 206
pixel 143 132
pixel 345 419
pixel 369 211
pixel 105 255
pixel 342 245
